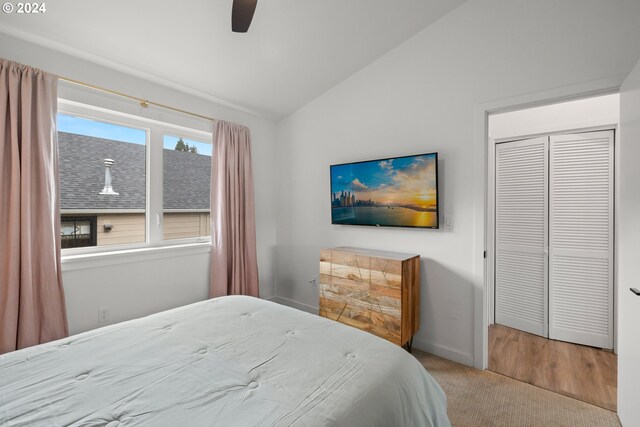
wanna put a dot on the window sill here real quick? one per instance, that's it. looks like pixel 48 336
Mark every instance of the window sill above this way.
pixel 102 259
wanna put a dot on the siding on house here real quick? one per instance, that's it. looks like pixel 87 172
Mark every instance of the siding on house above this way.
pixel 130 227
pixel 183 225
pixel 127 228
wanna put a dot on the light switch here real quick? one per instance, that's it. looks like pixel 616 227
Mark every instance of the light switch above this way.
pixel 448 223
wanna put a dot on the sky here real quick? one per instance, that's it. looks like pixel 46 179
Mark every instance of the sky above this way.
pixel 404 180
pixel 88 127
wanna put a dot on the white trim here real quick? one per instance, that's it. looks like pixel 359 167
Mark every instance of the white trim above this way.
pixel 443 351
pixel 418 343
pixel 480 188
pixel 187 240
pixel 93 212
pixel 559 129
pixel 187 210
pixel 102 259
pixel 90 212
pixel 597 126
pixel 89 250
pixel 155 187
pixel 71 253
pixel 295 304
pixel 81 95
pixel 79 109
pixel 616 198
pixel 491 235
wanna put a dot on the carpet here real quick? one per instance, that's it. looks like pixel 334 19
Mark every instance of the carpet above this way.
pixel 486 399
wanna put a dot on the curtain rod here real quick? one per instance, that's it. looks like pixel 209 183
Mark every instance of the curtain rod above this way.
pixel 143 102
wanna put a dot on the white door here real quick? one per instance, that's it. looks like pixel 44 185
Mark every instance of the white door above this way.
pixel 521 235
pixel 581 238
pixel 629 251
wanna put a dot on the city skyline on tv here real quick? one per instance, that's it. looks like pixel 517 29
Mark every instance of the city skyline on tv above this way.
pixel 405 186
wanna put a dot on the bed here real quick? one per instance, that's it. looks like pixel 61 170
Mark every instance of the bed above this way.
pixel 230 361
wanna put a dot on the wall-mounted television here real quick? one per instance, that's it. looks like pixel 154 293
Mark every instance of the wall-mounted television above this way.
pixel 392 192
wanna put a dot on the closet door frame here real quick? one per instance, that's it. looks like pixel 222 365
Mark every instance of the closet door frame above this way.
pixel 490 213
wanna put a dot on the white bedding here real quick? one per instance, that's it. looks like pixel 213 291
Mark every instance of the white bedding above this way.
pixel 231 361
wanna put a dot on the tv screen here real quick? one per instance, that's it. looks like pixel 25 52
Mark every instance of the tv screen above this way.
pixel 393 192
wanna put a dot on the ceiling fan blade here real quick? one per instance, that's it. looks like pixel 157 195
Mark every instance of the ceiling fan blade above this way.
pixel 242 14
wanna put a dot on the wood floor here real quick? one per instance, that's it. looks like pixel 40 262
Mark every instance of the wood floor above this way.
pixel 577 371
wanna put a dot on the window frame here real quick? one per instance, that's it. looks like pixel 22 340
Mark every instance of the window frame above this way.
pixel 155 130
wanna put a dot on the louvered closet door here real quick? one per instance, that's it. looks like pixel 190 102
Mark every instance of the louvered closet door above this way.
pixel 581 239
pixel 521 235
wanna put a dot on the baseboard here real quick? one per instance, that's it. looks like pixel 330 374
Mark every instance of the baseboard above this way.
pixel 418 343
pixel 294 304
pixel 444 352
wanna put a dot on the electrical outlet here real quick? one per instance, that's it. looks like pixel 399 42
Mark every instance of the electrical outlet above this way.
pixel 313 282
pixel 103 314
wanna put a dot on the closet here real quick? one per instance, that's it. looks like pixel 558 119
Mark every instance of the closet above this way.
pixel 554 237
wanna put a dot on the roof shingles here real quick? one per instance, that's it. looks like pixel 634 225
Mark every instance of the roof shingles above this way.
pixel 186 175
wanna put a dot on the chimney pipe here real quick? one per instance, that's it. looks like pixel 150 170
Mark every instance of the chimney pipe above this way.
pixel 108 189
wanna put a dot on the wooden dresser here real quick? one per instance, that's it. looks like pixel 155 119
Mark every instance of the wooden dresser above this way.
pixel 375 291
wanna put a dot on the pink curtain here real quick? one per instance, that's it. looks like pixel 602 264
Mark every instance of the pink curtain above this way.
pixel 234 266
pixel 32 308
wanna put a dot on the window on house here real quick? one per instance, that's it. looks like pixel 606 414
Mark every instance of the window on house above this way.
pixel 102 182
pixel 77 232
pixel 186 188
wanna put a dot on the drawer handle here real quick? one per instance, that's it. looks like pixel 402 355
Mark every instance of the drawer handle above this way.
pixel 635 291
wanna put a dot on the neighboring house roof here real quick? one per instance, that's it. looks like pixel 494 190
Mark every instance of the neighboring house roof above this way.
pixel 187 180
pixel 186 175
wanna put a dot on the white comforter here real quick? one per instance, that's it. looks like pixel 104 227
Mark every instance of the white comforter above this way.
pixel 231 361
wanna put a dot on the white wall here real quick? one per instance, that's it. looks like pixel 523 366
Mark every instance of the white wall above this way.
pixel 578 114
pixel 629 252
pixel 134 284
pixel 151 284
pixel 421 97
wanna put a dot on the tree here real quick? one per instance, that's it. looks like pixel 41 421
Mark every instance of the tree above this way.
pixel 182 146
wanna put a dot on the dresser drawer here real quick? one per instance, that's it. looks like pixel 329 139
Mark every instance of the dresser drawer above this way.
pixel 372 292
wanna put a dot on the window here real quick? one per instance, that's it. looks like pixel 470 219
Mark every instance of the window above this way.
pixel 76 232
pixel 186 188
pixel 103 175
pixel 129 180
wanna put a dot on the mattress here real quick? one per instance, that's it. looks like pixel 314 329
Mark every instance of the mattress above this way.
pixel 230 361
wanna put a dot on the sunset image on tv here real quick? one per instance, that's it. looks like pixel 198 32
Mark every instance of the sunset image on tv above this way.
pixel 397 192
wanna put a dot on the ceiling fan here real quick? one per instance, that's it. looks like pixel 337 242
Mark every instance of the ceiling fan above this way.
pixel 242 14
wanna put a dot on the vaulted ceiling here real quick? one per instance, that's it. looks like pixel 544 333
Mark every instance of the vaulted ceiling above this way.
pixel 294 51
